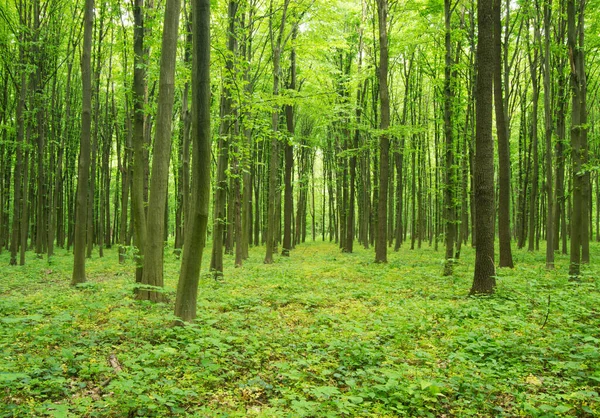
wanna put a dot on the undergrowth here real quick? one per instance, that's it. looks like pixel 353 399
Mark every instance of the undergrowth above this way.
pixel 318 334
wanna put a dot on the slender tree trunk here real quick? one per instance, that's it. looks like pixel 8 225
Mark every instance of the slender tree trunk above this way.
pixel 226 128
pixel 272 225
pixel 533 199
pixel 288 205
pixel 506 259
pixel 384 141
pixel 548 153
pixel 450 186
pixel 83 171
pixel 155 225
pixel 195 237
pixel 183 169
pixel 19 198
pixel 125 182
pixel 585 185
pixel 139 159
pixel 577 110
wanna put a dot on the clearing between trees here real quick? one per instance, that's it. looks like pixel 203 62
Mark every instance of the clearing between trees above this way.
pixel 317 334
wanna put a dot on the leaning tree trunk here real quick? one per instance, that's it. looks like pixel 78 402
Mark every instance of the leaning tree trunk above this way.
pixel 152 274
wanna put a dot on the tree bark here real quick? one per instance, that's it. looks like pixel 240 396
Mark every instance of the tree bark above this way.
pixel 155 224
pixel 506 259
pixel 450 186
pixel 288 202
pixel 484 280
pixel 139 159
pixel 575 43
pixel 276 48
pixel 195 237
pixel 384 141
pixel 83 171
pixel 548 140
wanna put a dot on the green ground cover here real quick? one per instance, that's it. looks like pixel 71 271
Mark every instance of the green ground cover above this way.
pixel 321 334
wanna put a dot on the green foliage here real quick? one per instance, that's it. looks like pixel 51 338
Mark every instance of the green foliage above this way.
pixel 317 334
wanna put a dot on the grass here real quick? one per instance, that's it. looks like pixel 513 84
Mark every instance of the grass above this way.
pixel 318 334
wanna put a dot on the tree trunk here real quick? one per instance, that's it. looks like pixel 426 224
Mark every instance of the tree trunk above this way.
pixel 506 259
pixel 155 225
pixel 83 171
pixel 288 205
pixel 533 199
pixel 19 198
pixel 139 159
pixel 450 186
pixel 195 237
pixel 484 280
pixel 272 204
pixel 548 153
pixel 384 144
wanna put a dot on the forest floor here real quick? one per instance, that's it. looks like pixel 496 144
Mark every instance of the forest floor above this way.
pixel 318 334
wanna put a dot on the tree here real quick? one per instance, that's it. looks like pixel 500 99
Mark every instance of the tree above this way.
pixel 548 140
pixel 384 140
pixel 506 259
pixel 83 171
pixel 575 43
pixel 450 186
pixel 226 135
pixel 139 159
pixel 484 280
pixel 288 204
pixel 195 237
pixel 154 247
pixel 277 44
pixel 534 61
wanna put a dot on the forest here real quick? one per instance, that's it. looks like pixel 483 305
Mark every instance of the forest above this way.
pixel 306 208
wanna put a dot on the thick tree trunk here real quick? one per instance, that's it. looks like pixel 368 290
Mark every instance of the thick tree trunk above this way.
pixel 484 280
